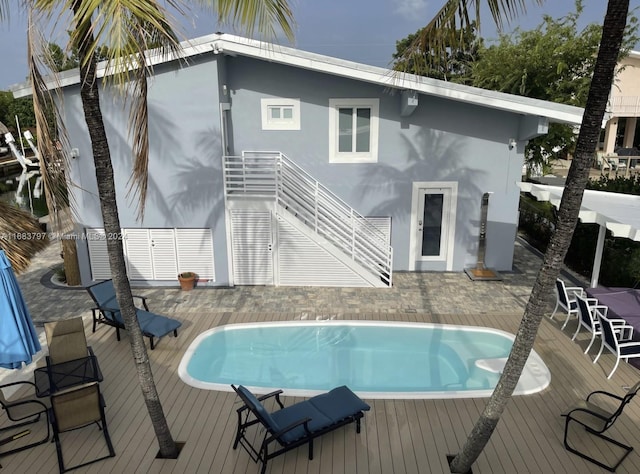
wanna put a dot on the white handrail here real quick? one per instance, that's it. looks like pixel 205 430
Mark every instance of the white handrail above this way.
pixel 272 175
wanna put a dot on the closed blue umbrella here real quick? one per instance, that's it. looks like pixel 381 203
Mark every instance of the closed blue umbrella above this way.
pixel 18 338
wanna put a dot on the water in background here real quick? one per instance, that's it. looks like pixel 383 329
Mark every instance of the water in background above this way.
pixel 29 198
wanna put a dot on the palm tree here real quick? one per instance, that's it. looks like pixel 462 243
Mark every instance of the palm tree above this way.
pixel 612 34
pixel 129 28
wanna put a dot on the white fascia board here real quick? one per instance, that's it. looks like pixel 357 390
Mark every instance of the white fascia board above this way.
pixel 225 43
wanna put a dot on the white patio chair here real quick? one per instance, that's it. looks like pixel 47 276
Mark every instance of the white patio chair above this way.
pixel 588 312
pixel 619 344
pixel 566 299
pixel 617 164
pixel 600 162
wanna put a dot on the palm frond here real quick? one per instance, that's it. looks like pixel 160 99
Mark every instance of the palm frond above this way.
pixel 446 29
pixel 52 138
pixel 251 14
pixel 20 236
pixel 4 10
pixel 139 132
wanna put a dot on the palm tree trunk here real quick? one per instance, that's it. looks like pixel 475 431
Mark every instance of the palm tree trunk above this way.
pixel 106 192
pixel 612 34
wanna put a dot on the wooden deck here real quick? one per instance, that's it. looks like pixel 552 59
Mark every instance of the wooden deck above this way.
pixel 398 436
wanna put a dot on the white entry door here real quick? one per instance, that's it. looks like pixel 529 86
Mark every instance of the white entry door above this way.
pixel 433 220
pixel 252 242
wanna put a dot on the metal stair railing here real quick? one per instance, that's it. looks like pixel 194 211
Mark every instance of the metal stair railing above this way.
pixel 272 175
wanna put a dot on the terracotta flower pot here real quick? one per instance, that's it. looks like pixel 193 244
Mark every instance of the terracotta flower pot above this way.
pixel 187 280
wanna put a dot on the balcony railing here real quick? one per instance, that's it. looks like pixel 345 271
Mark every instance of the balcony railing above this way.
pixel 625 106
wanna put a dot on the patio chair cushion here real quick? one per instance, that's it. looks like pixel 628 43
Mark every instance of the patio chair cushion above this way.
pixel 339 403
pixel 156 324
pixel 289 415
pixel 324 410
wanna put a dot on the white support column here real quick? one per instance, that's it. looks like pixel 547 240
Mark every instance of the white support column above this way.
pixel 629 132
pixel 597 260
pixel 610 135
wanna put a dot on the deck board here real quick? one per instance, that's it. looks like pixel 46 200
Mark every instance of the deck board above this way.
pixel 398 436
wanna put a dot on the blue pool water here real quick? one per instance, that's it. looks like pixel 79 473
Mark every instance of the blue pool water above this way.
pixel 375 359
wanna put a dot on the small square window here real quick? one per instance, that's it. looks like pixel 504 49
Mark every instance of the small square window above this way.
pixel 280 114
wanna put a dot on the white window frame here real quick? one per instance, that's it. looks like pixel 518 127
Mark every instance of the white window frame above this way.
pixel 353 157
pixel 450 191
pixel 269 123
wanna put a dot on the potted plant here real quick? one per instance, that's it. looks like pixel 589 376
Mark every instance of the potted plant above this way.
pixel 187 280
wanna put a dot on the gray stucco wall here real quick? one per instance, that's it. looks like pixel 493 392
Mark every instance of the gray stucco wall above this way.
pixel 442 140
pixel 185 178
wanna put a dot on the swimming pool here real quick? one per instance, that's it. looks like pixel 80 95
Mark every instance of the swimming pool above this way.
pixel 375 359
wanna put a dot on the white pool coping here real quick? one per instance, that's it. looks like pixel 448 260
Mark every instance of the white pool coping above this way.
pixel 535 375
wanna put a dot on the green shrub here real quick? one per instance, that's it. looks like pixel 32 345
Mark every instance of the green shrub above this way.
pixel 60 274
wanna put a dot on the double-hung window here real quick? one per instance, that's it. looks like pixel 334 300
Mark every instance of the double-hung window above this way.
pixel 353 130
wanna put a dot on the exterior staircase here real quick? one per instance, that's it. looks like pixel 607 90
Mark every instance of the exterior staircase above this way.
pixel 302 202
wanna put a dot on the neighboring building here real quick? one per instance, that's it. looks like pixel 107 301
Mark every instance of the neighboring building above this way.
pixel 622 129
pixel 264 161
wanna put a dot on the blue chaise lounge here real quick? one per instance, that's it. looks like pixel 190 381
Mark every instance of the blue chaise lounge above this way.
pixel 107 311
pixel 295 425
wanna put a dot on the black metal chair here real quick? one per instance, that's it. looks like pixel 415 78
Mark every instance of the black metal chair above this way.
pixel 23 411
pixel 597 419
pixel 77 408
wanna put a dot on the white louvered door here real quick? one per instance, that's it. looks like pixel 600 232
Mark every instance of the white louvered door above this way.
pixel 98 256
pixel 252 242
pixel 156 254
pixel 162 243
pixel 137 250
pixel 194 252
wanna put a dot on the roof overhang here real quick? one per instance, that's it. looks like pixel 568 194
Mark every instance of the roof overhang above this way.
pixel 222 43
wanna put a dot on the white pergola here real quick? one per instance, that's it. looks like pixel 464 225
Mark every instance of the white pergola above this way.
pixel 619 213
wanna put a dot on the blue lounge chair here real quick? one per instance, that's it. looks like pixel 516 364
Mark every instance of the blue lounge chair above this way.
pixel 295 425
pixel 107 311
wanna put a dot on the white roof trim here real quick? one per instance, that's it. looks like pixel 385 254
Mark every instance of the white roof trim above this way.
pixel 225 43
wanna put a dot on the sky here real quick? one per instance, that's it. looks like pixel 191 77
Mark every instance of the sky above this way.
pixel 365 31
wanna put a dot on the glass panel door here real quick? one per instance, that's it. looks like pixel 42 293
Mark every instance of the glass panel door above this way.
pixel 431 214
